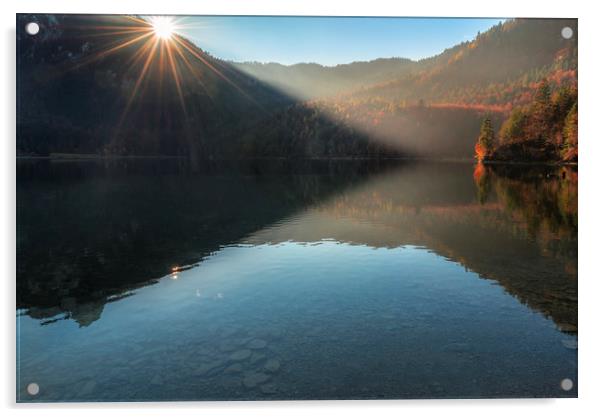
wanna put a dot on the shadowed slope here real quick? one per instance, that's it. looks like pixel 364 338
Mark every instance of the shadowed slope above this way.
pixel 108 84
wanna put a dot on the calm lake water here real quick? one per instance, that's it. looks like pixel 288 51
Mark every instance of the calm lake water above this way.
pixel 142 280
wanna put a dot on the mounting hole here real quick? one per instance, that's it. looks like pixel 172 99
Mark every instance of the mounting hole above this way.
pixel 566 384
pixel 566 32
pixel 33 389
pixel 32 28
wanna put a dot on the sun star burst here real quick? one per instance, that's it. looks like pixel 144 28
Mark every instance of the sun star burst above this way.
pixel 158 44
pixel 163 27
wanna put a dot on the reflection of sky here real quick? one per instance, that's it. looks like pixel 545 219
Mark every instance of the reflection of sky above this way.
pixel 328 40
pixel 412 301
pixel 239 271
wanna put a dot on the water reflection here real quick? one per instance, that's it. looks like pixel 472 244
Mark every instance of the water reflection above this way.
pixel 521 231
pixel 88 231
pixel 379 275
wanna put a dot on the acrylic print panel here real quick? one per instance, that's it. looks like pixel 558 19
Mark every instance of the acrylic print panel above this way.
pixel 262 208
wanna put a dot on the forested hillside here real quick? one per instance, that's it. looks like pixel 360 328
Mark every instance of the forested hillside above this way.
pixel 435 106
pixel 499 68
pixel 543 130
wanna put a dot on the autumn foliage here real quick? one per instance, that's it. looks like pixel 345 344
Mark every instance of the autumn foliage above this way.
pixel 480 152
pixel 544 129
pixel 484 145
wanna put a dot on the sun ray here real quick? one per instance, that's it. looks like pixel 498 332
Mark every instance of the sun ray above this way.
pixel 115 27
pixel 140 78
pixel 176 77
pixel 214 69
pixel 139 54
pixel 162 65
pixel 165 30
pixel 104 53
pixel 124 44
pixel 117 32
pixel 159 51
pixel 194 71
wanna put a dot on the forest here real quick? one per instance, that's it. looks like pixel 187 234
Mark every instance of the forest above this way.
pixel 543 130
pixel 508 94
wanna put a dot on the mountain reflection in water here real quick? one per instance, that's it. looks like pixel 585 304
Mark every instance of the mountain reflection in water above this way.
pixel 92 233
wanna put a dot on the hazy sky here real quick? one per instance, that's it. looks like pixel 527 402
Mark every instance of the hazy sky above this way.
pixel 327 40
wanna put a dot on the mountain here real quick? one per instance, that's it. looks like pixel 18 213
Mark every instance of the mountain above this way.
pixel 435 107
pixel 309 80
pixel 107 84
pixel 87 85
pixel 499 68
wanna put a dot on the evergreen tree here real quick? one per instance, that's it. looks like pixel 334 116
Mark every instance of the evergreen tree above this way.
pixel 569 134
pixel 562 102
pixel 542 112
pixel 484 146
pixel 513 129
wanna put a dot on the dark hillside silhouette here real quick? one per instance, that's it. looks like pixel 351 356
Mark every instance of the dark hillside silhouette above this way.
pixel 82 93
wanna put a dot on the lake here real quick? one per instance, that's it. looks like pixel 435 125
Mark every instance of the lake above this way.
pixel 148 280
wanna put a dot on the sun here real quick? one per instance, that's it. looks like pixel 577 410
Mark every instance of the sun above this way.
pixel 163 27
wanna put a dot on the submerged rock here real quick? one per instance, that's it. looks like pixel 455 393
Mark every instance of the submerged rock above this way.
pixel 203 351
pixel 272 365
pixel 257 357
pixel 87 388
pixel 228 331
pixel 254 379
pixel 227 347
pixel 257 344
pixel 156 380
pixel 242 341
pixel 268 389
pixel 230 382
pixel 240 355
pixel 233 369
pixel 570 344
pixel 207 367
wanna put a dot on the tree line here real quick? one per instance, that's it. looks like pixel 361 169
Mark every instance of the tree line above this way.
pixel 543 130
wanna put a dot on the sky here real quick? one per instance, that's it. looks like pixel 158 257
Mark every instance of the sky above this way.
pixel 327 40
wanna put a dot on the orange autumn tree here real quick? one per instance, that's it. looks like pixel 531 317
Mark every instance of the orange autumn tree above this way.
pixel 484 145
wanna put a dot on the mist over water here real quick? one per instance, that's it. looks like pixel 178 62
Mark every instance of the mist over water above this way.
pixel 146 280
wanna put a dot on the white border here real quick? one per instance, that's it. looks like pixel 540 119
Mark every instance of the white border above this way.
pixel 590 288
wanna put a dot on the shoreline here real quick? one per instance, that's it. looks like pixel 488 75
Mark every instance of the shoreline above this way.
pixel 548 163
pixel 91 157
